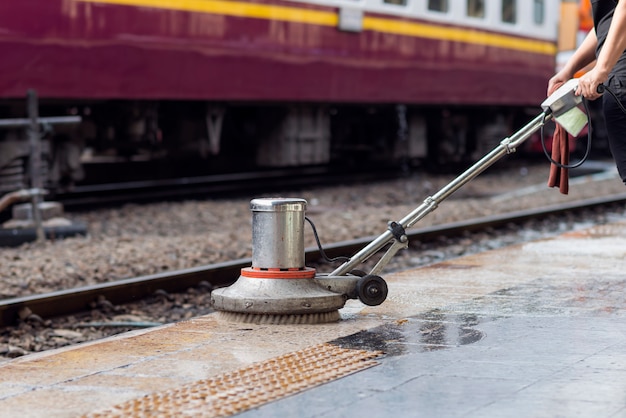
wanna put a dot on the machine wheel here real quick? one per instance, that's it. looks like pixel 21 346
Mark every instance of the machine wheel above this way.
pixel 372 290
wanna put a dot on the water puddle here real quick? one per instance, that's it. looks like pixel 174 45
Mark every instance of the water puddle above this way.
pixel 434 330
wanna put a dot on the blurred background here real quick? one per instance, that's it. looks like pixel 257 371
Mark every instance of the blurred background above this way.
pixel 180 89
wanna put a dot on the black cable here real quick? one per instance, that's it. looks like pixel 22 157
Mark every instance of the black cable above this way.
pixel 319 246
pixel 601 88
pixel 584 158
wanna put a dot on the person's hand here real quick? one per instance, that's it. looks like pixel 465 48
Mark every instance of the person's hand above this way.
pixel 556 81
pixel 589 82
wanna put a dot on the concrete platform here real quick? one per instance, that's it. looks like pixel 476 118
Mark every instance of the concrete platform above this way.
pixel 534 330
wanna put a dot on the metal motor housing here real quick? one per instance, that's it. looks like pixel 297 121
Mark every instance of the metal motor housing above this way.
pixel 278 233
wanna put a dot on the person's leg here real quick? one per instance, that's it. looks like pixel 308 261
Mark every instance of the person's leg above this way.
pixel 616 124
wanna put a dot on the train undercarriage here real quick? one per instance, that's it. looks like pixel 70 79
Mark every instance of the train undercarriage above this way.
pixel 122 141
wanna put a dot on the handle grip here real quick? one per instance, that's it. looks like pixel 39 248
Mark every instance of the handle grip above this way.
pixel 600 89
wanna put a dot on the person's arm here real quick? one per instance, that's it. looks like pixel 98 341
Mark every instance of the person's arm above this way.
pixel 612 49
pixel 583 56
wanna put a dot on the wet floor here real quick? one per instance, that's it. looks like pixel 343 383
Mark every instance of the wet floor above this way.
pixel 544 348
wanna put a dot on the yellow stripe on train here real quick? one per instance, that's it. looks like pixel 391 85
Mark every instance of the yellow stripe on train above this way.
pixel 323 18
pixel 235 8
pixel 456 34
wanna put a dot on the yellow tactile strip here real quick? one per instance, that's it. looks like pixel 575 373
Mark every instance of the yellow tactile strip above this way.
pixel 249 387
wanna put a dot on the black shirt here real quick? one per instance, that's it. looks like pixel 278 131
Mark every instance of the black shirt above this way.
pixel 602 16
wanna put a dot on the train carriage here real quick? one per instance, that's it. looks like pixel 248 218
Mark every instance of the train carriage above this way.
pixel 239 84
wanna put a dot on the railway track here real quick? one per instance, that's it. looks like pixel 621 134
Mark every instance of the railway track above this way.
pixel 76 300
pixel 97 195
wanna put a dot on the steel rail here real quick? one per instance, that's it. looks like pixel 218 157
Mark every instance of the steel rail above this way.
pixel 87 196
pixel 76 300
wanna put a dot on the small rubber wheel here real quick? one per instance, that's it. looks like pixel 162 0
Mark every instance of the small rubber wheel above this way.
pixel 372 290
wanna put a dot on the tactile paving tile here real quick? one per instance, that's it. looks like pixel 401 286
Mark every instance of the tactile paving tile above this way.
pixel 248 387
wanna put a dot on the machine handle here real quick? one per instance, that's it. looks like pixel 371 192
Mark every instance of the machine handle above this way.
pixel 600 89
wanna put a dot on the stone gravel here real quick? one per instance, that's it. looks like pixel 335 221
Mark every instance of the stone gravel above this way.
pixel 135 240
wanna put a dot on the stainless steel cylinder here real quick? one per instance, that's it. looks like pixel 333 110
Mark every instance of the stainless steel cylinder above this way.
pixel 278 233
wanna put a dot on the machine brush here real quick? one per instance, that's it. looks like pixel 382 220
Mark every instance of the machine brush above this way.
pixel 280 319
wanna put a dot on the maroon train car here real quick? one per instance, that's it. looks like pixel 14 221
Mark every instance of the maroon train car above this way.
pixel 271 83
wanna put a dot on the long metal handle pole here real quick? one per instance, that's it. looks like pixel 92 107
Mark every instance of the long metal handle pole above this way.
pixel 506 146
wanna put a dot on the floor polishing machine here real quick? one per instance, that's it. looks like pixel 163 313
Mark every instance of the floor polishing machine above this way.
pixel 279 289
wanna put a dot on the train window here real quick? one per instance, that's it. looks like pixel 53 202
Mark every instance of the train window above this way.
pixel 476 8
pixel 538 12
pixel 509 11
pixel 398 2
pixel 438 5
